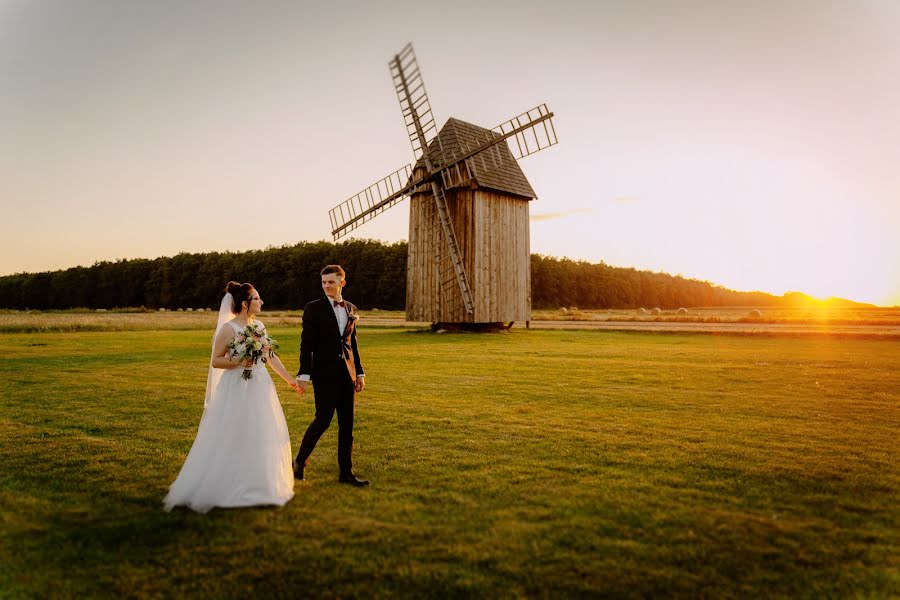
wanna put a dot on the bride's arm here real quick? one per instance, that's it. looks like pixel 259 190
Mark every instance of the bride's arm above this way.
pixel 275 362
pixel 220 358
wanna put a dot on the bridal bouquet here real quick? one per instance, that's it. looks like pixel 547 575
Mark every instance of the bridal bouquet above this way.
pixel 253 343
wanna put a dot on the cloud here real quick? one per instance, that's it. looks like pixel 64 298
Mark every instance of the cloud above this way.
pixel 560 215
pixel 625 200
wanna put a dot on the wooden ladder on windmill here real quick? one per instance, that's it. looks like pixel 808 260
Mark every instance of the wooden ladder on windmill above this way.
pixel 453 285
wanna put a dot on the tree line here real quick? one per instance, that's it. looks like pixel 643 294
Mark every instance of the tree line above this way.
pixel 288 276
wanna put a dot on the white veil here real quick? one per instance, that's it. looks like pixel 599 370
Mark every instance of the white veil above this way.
pixel 212 379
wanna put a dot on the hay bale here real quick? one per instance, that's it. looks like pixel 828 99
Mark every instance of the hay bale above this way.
pixel 755 313
pixel 563 310
pixel 656 311
pixel 162 310
pixel 682 312
pixel 189 310
pixel 642 311
pixel 101 310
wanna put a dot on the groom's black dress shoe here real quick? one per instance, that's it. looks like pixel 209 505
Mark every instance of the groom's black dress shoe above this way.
pixel 353 480
pixel 298 472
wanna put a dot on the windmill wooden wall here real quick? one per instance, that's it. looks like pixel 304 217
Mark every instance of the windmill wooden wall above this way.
pixel 492 230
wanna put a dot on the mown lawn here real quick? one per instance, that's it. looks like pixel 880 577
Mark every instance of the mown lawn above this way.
pixel 524 464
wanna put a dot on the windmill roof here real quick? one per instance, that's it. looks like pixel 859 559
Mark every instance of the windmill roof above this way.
pixel 501 173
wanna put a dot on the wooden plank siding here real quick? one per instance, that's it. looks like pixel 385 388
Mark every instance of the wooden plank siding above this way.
pixel 492 231
pixel 419 262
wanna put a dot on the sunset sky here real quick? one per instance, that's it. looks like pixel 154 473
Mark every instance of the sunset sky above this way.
pixel 752 144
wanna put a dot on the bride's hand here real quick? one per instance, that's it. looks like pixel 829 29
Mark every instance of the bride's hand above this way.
pixel 237 363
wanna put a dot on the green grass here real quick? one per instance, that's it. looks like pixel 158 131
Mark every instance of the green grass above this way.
pixel 525 464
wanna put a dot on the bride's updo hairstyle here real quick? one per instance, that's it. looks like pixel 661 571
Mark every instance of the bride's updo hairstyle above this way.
pixel 241 292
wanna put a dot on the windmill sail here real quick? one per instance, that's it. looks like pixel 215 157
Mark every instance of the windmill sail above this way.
pixel 416 109
pixel 372 201
pixel 531 132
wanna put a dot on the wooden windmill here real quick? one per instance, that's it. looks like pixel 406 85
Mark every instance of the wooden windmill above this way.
pixel 469 253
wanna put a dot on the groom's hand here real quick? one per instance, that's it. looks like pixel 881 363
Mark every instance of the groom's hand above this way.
pixel 301 386
pixel 360 384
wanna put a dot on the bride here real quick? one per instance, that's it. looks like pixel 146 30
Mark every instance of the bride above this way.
pixel 242 453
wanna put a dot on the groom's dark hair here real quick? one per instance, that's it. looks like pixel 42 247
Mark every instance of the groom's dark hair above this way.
pixel 329 269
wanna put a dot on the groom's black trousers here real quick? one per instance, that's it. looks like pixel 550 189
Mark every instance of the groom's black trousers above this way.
pixel 331 397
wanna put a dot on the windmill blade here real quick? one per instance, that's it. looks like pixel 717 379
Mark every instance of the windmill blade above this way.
pixel 375 199
pixel 414 104
pixel 532 131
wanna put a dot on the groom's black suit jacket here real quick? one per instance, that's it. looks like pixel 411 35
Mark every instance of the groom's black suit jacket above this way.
pixel 326 354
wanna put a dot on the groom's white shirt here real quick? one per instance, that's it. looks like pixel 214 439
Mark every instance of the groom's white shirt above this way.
pixel 342 316
pixel 340 313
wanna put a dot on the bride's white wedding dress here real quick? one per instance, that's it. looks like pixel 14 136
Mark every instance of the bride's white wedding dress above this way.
pixel 242 453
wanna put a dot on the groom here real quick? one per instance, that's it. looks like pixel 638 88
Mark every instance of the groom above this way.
pixel 329 356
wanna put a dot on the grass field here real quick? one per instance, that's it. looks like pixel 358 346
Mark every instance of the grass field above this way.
pixel 12 321
pixel 524 464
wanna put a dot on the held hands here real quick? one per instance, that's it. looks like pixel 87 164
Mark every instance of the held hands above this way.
pixel 300 386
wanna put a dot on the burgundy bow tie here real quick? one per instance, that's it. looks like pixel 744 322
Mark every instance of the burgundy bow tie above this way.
pixel 341 303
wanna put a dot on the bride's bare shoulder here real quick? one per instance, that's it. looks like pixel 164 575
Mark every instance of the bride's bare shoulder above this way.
pixel 227 330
